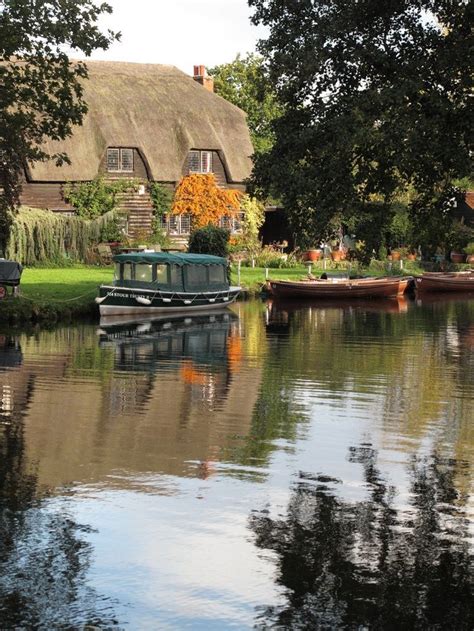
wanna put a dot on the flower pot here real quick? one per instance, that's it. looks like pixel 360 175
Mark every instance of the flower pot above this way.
pixel 457 257
pixel 312 255
pixel 411 257
pixel 395 256
pixel 337 255
pixel 470 259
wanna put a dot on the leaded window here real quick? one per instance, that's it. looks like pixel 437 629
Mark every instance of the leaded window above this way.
pixel 200 161
pixel 120 160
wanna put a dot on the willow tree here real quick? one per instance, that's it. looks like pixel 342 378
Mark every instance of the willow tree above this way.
pixel 41 92
pixel 376 98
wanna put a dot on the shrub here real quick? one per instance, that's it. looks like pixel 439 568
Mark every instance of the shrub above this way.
pixel 209 240
pixel 98 197
pixel 271 257
pixel 469 249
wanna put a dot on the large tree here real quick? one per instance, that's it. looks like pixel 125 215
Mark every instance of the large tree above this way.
pixel 376 97
pixel 245 83
pixel 40 89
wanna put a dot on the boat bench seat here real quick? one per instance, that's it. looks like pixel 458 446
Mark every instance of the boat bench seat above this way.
pixel 334 276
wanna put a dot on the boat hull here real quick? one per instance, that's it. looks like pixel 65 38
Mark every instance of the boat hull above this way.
pixel 445 282
pixel 344 289
pixel 115 300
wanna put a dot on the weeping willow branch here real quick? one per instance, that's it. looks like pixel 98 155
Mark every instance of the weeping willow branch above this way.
pixel 41 236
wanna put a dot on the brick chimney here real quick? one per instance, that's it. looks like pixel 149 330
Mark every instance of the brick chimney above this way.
pixel 201 76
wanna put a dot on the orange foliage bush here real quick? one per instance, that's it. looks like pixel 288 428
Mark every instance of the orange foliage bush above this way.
pixel 199 195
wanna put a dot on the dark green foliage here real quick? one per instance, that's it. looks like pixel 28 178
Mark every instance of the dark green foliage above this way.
pixel 209 240
pixel 41 91
pixel 161 198
pixel 113 230
pixel 98 197
pixel 245 83
pixel 376 99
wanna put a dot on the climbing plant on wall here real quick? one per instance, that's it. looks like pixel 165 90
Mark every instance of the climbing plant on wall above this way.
pixel 199 196
pixel 97 197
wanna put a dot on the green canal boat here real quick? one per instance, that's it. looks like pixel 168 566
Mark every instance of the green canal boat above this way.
pixel 158 282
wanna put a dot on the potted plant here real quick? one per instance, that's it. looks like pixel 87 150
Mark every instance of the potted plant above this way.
pixel 313 254
pixel 469 250
pixel 456 257
pixel 337 255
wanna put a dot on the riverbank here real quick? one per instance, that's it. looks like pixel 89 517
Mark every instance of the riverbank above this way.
pixel 53 294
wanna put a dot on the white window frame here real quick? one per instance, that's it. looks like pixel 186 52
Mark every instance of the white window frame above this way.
pixel 120 151
pixel 204 160
pixel 232 223
pixel 181 224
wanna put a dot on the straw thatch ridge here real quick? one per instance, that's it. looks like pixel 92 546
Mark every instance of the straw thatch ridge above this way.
pixel 156 109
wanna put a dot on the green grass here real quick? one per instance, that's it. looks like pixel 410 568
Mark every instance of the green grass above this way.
pixel 52 294
pixel 57 285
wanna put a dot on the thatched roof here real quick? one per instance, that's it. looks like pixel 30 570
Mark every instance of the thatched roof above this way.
pixel 157 109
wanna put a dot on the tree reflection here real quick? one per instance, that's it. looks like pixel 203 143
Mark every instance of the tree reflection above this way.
pixel 44 558
pixel 367 565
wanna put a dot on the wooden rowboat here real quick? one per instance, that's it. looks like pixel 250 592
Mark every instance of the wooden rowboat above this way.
pixel 445 281
pixel 386 287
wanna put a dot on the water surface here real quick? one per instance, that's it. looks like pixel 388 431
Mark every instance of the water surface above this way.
pixel 280 465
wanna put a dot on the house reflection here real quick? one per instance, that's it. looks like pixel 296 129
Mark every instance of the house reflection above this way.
pixel 159 398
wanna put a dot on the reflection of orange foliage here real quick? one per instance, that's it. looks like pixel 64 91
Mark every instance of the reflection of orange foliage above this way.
pixel 199 196
pixel 189 374
pixel 234 350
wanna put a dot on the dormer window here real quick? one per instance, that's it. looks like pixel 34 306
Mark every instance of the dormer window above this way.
pixel 200 161
pixel 120 160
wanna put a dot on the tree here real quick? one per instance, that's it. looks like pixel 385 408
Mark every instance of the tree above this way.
pixel 245 83
pixel 41 92
pixel 199 196
pixel 376 100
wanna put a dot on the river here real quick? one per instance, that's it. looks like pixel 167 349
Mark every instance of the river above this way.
pixel 279 465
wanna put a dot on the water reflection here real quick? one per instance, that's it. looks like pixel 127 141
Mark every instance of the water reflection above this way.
pixel 367 565
pixel 159 439
pixel 43 557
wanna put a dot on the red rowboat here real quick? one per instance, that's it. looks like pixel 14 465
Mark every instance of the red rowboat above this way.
pixel 445 281
pixel 386 287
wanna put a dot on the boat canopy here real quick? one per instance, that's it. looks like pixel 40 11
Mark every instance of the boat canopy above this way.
pixel 10 273
pixel 174 258
pixel 171 272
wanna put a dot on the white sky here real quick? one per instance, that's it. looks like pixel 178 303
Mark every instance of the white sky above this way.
pixel 180 32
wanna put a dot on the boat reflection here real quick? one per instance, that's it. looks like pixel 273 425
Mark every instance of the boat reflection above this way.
pixel 10 352
pixel 441 298
pixel 278 311
pixel 200 339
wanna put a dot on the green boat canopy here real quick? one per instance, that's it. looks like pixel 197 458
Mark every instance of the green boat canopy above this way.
pixel 171 258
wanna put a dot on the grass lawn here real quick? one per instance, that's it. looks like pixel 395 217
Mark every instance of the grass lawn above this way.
pixel 60 284
pixel 253 277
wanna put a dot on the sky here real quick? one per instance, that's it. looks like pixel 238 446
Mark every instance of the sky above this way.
pixel 183 33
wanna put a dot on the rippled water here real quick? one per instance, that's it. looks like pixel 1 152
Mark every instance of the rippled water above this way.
pixel 279 465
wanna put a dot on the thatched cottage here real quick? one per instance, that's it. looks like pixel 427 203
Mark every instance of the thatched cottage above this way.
pixel 151 122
